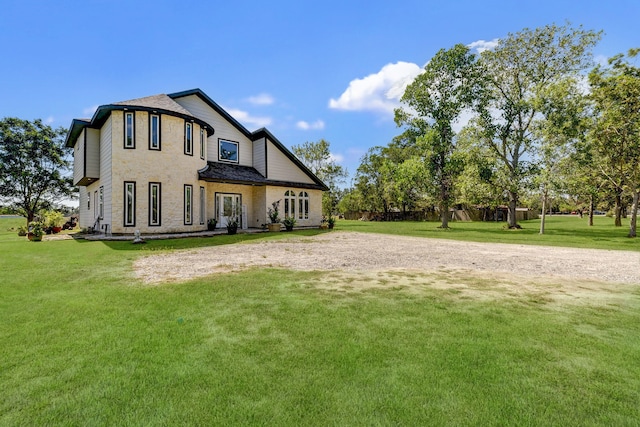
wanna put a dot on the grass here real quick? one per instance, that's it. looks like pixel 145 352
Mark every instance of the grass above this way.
pixel 561 230
pixel 83 343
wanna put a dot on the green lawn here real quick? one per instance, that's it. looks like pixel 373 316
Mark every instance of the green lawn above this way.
pixel 561 230
pixel 83 343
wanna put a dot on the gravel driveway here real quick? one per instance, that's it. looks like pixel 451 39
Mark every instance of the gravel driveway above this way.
pixel 367 253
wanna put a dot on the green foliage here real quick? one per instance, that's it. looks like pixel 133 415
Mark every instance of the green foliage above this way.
pixel 317 157
pixel 434 102
pixel 52 218
pixel 517 73
pixel 616 131
pixel 274 212
pixel 33 164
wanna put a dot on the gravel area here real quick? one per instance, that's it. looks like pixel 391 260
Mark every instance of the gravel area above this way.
pixel 365 254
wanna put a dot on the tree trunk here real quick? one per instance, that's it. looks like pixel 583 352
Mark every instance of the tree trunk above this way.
pixel 591 206
pixel 544 209
pixel 634 214
pixel 444 215
pixel 618 209
pixel 511 216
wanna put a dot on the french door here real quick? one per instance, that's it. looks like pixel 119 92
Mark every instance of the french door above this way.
pixel 228 206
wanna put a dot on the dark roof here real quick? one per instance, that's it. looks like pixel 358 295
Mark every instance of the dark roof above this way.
pixel 237 174
pixel 162 104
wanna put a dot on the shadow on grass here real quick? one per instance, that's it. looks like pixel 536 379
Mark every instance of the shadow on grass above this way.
pixel 200 242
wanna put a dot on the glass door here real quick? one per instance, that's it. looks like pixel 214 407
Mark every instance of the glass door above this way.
pixel 228 207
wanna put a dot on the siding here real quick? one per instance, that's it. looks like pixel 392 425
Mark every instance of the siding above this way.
pixel 93 153
pixel 259 156
pixel 105 170
pixel 78 159
pixel 223 129
pixel 281 168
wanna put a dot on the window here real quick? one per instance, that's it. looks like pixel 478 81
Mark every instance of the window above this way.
pixel 290 203
pixel 202 147
pixel 188 138
pixel 129 204
pixel 88 200
pixel 227 151
pixel 202 206
pixel 129 130
pixel 303 208
pixel 101 203
pixel 154 203
pixel 188 204
pixel 154 132
pixel 95 205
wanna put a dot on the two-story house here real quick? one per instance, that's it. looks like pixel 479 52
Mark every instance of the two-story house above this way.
pixel 168 163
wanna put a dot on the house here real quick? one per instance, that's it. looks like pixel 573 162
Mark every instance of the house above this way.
pixel 169 163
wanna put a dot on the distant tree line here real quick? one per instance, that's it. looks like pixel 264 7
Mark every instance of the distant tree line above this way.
pixel 540 127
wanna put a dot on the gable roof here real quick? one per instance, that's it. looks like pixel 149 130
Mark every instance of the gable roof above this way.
pixel 252 136
pixel 161 103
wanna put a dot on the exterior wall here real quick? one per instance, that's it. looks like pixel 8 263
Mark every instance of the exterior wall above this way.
pixel 315 204
pixel 78 159
pixel 246 192
pixel 93 152
pixel 105 172
pixel 223 130
pixel 259 156
pixel 169 166
pixel 281 168
pixel 86 156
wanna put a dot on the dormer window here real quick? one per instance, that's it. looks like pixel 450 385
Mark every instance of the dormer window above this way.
pixel 227 151
pixel 129 130
pixel 188 138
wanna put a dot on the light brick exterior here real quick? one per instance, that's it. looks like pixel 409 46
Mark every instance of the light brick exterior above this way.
pixel 174 169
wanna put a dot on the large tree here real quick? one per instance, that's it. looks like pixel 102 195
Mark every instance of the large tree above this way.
pixel 517 73
pixel 33 164
pixel 434 102
pixel 616 134
pixel 317 157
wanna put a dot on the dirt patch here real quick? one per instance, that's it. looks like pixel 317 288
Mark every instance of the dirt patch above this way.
pixel 365 260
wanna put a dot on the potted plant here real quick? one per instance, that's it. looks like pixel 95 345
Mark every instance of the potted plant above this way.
pixel 232 225
pixel 289 222
pixel 274 216
pixel 36 231
pixel 331 222
pixel 323 224
pixel 22 231
pixel 211 224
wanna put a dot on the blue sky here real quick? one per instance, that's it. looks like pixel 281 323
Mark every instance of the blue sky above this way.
pixel 305 70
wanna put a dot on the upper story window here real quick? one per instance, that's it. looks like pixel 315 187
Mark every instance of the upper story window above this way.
pixel 129 129
pixel 188 138
pixel 154 132
pixel 227 151
pixel 202 144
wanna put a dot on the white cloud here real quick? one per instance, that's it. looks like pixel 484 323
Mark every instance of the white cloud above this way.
pixel 261 99
pixel 90 110
pixel 49 120
pixel 246 118
pixel 317 125
pixel 338 158
pixel 482 45
pixel 380 92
